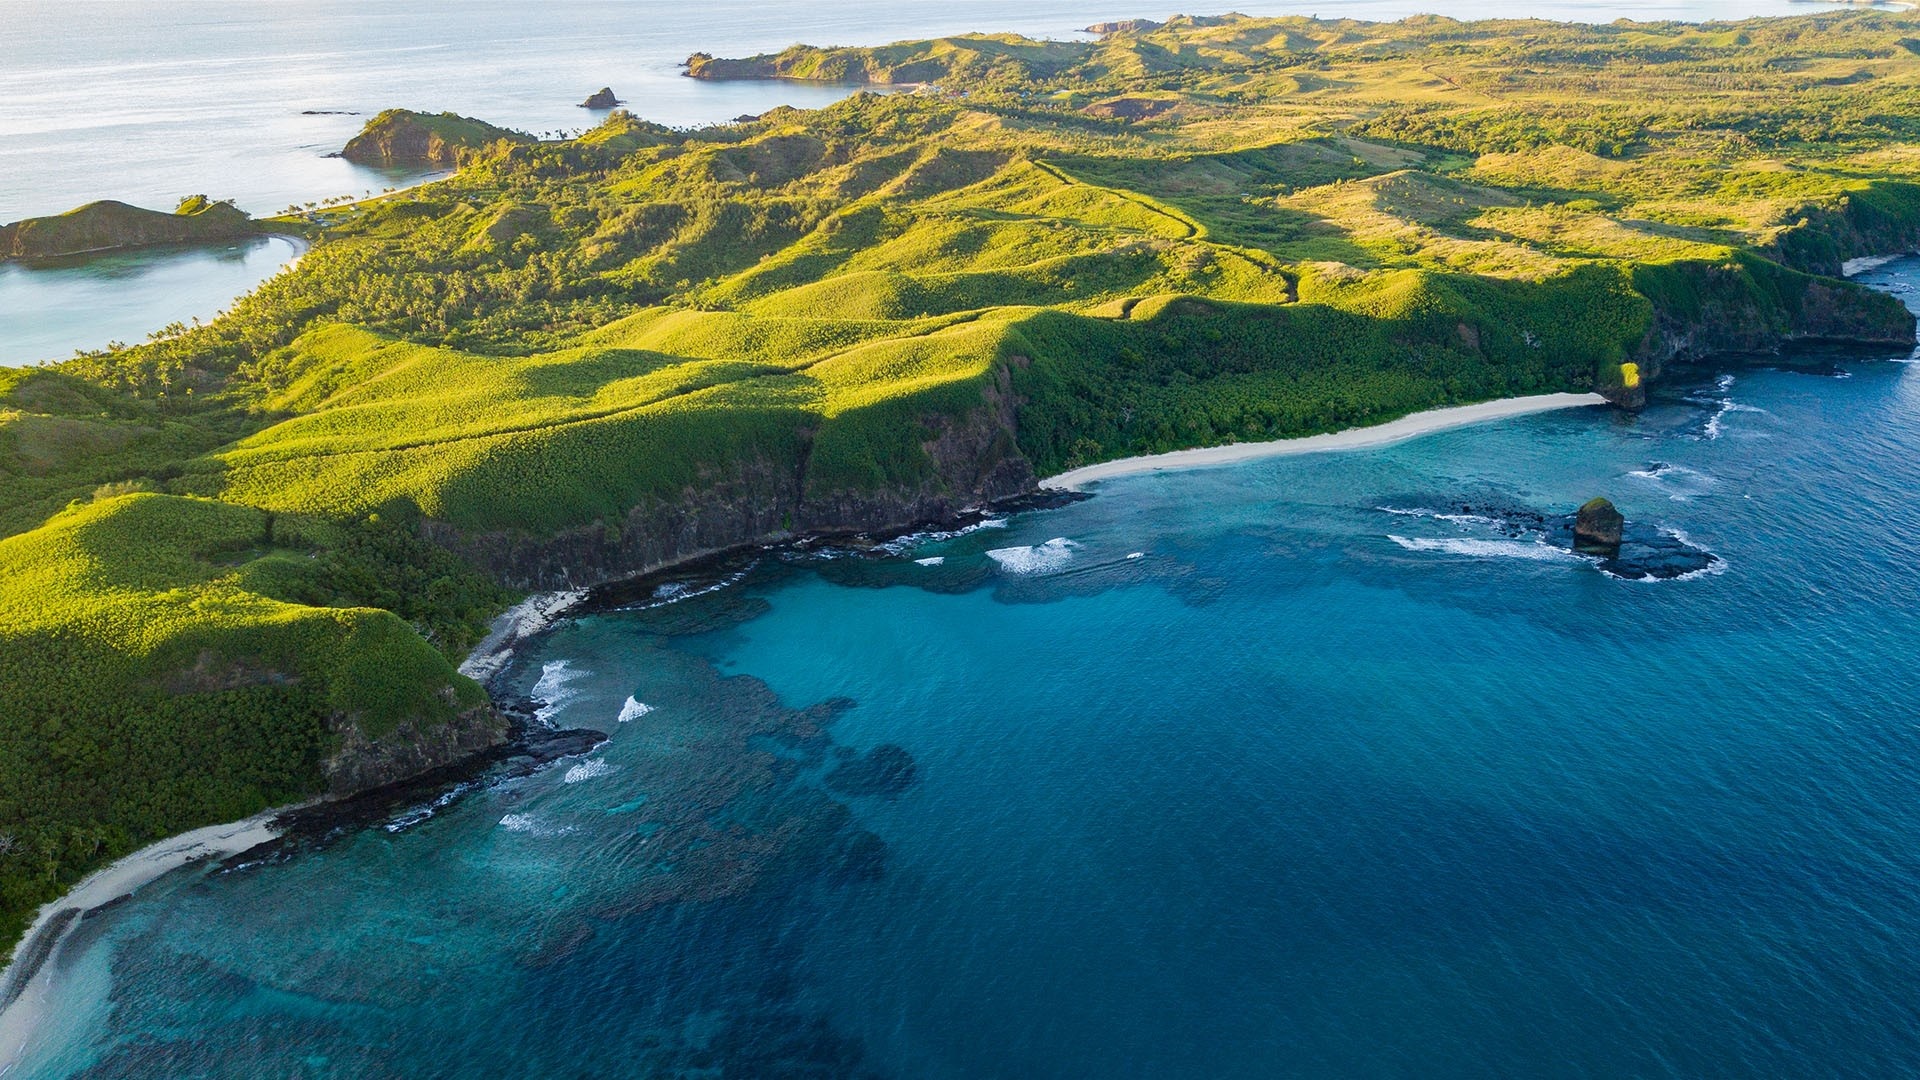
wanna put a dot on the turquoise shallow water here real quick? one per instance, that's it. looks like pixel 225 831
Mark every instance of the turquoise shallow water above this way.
pixel 49 309
pixel 1281 796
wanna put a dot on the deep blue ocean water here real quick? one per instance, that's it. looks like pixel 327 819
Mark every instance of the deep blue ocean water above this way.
pixel 1320 766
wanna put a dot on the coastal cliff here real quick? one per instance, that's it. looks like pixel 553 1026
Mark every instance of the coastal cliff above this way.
pixel 973 459
pixel 1749 307
pixel 110 226
pixel 1882 218
pixel 359 762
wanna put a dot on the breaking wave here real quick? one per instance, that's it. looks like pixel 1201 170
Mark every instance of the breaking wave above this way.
pixel 585 770
pixel 532 826
pixel 1535 550
pixel 552 692
pixel 1677 482
pixel 1047 558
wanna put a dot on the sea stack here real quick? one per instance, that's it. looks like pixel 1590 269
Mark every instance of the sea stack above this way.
pixel 601 99
pixel 1596 528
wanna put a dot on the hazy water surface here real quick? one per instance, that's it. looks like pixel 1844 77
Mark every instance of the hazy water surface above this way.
pixel 149 102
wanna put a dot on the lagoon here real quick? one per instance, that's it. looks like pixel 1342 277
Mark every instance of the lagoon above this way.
pixel 49 309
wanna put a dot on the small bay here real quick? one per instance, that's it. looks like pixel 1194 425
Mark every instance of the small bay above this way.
pixel 49 309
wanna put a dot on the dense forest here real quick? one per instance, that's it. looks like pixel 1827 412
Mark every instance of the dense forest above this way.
pixel 226 550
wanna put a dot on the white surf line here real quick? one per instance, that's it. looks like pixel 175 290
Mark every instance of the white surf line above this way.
pixel 520 622
pixel 1407 427
pixel 26 982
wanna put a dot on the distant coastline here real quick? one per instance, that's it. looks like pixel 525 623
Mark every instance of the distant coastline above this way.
pixel 1407 427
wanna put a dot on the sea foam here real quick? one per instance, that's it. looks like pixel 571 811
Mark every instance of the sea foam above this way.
pixel 1047 558
pixel 1536 550
pixel 585 770
pixel 1677 482
pixel 633 710
pixel 552 692
pixel 532 826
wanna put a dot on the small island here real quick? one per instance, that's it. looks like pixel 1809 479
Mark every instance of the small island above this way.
pixel 115 226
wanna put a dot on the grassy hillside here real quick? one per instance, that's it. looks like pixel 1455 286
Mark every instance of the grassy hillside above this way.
pixel 575 359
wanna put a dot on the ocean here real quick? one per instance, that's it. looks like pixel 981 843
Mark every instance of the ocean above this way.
pixel 1329 765
pixel 241 99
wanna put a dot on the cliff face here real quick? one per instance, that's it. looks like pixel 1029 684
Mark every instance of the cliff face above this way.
pixel 109 226
pixel 973 460
pixel 361 763
pixel 1124 26
pixel 705 66
pixel 1753 307
pixel 1883 219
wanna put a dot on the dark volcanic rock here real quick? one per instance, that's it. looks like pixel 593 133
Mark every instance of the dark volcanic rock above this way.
pixel 542 745
pixel 601 99
pixel 1597 527
pixel 362 763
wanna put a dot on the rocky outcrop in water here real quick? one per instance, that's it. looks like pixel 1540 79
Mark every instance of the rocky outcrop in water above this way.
pixel 600 99
pixel 1124 26
pixel 1597 527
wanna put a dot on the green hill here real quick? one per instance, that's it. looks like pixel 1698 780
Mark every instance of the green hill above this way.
pixel 109 225
pixel 404 138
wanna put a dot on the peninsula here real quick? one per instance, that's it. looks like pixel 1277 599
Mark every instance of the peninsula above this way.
pixel 240 566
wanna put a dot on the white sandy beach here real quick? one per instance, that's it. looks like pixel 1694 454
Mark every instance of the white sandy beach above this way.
pixel 1407 427
pixel 1864 263
pixel 522 621
pixel 19 1019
